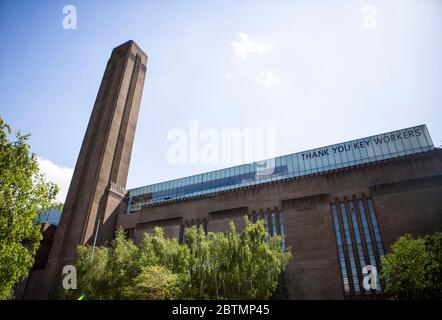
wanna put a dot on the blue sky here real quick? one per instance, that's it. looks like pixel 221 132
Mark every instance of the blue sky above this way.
pixel 310 70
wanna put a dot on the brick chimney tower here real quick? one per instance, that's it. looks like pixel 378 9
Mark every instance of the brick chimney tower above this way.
pixel 97 190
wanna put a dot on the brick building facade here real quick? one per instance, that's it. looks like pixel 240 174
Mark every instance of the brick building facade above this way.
pixel 339 211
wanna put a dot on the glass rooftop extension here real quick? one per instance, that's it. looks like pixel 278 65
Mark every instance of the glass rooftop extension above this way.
pixel 356 152
pixel 51 216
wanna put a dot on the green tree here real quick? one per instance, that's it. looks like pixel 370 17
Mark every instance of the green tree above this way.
pixel 413 268
pixel 235 265
pixel 153 283
pixel 433 244
pixel 122 270
pixel 231 265
pixel 105 272
pixel 23 192
pixel 122 264
pixel 155 249
pixel 92 274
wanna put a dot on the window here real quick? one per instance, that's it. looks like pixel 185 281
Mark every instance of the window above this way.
pixel 50 216
pixel 274 224
pixel 340 245
pixel 358 241
pixel 281 229
pixel 374 221
pixel 266 221
pixel 369 243
pixel 350 252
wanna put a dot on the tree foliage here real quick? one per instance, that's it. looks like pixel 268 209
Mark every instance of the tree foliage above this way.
pixel 23 192
pixel 413 268
pixel 235 265
pixel 153 283
pixel 231 265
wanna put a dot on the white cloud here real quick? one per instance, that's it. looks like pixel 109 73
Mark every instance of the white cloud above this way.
pixel 57 174
pixel 268 78
pixel 245 46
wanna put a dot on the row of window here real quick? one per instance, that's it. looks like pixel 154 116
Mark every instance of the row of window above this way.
pixel 50 216
pixel 357 234
pixel 179 187
pixel 358 241
pixel 274 224
pixel 294 165
pixel 221 180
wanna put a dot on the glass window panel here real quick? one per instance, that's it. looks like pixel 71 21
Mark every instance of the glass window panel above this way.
pixel 212 180
pixel 407 143
pixel 281 229
pixel 278 165
pixel 375 227
pixel 350 154
pixel 357 150
pixel 392 146
pixel 325 161
pixel 266 223
pixel 340 249
pixel 344 154
pixel 236 175
pixel 357 235
pixel 349 246
pixel 163 186
pixel 369 243
pixel 231 176
pixel 331 159
pixel 413 139
pixel 242 170
pixel 363 150
pixel 289 163
pixel 316 162
pixel 338 159
pixel 199 180
pixel 428 142
pixel 273 224
pixel 220 182
pixel 377 148
pixel 384 146
pixel 371 150
pixel 285 167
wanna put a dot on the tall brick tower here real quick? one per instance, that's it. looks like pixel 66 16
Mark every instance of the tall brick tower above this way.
pixel 97 191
